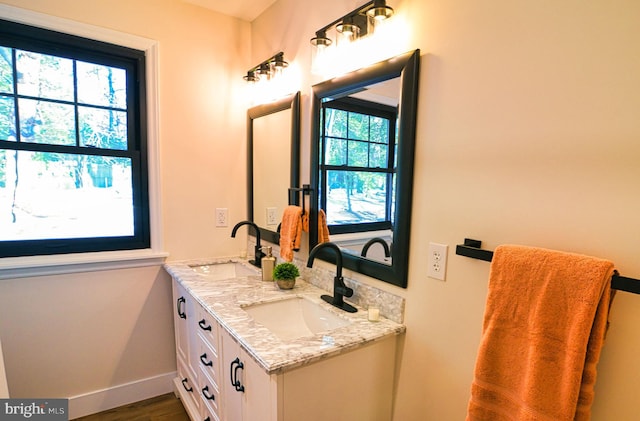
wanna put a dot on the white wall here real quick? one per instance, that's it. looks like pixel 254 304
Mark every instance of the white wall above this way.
pixel 83 335
pixel 528 133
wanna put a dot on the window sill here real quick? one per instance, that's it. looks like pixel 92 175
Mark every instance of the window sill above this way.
pixel 22 267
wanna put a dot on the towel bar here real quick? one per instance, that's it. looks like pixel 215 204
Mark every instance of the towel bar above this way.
pixel 471 248
pixel 293 200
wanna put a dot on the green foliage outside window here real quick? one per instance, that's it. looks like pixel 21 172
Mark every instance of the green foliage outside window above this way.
pixel 356 167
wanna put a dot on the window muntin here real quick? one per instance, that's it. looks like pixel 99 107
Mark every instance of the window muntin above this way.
pixel 72 144
pixel 357 165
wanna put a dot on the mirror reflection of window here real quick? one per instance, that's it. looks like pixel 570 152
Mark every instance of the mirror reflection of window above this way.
pixel 357 165
pixel 394 83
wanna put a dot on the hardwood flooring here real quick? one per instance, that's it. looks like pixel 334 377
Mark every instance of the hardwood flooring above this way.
pixel 161 408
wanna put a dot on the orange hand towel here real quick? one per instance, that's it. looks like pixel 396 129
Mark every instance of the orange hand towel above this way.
pixel 543 330
pixel 323 230
pixel 305 221
pixel 290 232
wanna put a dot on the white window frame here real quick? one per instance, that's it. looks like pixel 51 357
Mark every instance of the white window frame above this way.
pixel 18 267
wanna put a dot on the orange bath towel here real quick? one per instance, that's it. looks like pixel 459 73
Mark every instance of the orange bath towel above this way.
pixel 323 230
pixel 544 325
pixel 290 232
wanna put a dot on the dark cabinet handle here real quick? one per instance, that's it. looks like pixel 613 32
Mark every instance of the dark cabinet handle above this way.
pixel 179 304
pixel 205 393
pixel 233 372
pixel 184 384
pixel 203 325
pixel 203 360
pixel 239 387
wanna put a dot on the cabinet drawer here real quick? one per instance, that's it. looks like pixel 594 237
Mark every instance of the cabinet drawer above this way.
pixel 207 327
pixel 210 396
pixel 210 416
pixel 189 387
pixel 208 361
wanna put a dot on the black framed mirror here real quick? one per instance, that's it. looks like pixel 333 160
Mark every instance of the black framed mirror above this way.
pixel 362 164
pixel 273 162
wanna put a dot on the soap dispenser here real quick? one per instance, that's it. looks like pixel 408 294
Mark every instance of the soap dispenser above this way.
pixel 268 263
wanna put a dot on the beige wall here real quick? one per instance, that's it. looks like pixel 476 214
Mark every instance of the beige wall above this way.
pixel 528 133
pixel 70 335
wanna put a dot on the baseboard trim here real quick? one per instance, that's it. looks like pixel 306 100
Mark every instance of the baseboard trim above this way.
pixel 113 397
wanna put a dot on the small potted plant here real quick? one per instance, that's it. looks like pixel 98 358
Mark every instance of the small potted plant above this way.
pixel 285 275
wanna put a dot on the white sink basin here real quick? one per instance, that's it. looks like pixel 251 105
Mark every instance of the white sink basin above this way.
pixel 296 317
pixel 228 270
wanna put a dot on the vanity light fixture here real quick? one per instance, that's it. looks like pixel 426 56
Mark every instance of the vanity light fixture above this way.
pixel 321 40
pixel 380 10
pixel 267 69
pixel 349 27
pixel 251 76
pixel 355 24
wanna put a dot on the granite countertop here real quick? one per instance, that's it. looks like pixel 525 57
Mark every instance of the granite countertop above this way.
pixel 224 298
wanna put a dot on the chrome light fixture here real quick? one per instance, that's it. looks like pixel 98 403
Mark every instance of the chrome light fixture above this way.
pixel 267 69
pixel 355 24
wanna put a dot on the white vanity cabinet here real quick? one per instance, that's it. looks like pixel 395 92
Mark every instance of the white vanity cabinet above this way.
pixel 218 380
pixel 207 357
pixel 356 385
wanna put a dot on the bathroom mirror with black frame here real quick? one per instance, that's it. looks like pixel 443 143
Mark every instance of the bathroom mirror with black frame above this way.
pixel 362 154
pixel 273 162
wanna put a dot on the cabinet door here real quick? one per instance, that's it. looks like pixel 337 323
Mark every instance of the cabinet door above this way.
pixel 250 394
pixel 180 317
pixel 231 370
pixel 184 317
pixel 260 391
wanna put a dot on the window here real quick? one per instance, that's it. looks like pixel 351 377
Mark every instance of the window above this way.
pixel 357 165
pixel 73 153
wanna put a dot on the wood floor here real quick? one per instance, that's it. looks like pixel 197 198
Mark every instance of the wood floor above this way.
pixel 161 408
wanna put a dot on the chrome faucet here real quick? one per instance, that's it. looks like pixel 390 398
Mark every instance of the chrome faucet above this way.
pixel 385 246
pixel 340 290
pixel 257 254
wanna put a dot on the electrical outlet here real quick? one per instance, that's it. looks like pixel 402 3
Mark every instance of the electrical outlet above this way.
pixel 437 261
pixel 272 216
pixel 221 217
